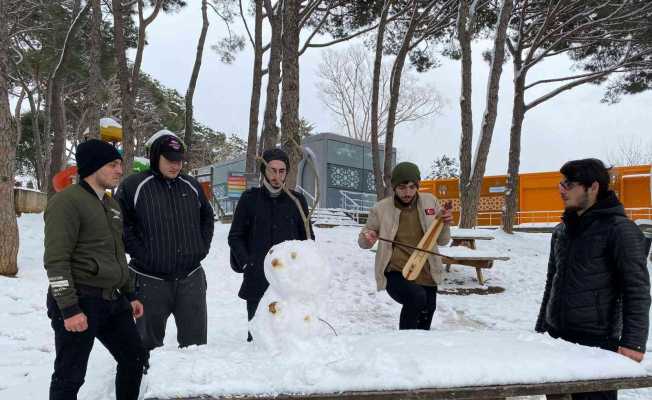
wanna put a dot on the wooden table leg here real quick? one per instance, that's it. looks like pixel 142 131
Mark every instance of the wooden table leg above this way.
pixel 478 271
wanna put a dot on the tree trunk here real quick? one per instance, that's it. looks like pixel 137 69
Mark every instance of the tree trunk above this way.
pixel 270 130
pixel 195 74
pixel 59 130
pixel 467 201
pixel 394 93
pixel 375 89
pixel 290 96
pixel 95 73
pixel 56 110
pixel 518 115
pixel 38 147
pixel 254 107
pixel 8 143
pixel 472 194
pixel 125 84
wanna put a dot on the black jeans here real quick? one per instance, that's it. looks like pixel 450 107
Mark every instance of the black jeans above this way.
pixel 185 299
pixel 419 302
pixel 112 323
pixel 603 343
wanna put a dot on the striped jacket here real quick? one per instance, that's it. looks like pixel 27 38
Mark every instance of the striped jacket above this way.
pixel 168 224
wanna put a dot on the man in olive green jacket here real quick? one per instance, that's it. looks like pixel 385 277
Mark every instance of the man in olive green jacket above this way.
pixel 90 293
pixel 404 218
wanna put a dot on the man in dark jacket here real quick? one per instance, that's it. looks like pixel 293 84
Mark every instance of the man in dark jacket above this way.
pixel 598 288
pixel 90 294
pixel 264 216
pixel 168 228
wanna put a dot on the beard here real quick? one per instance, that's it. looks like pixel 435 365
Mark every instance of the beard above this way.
pixel 582 204
pixel 409 202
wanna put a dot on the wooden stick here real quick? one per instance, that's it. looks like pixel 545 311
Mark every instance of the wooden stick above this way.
pixel 411 247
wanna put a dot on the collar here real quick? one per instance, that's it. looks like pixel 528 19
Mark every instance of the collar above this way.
pixel 272 191
pixel 90 189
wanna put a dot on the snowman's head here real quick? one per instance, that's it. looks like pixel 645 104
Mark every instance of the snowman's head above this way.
pixel 295 269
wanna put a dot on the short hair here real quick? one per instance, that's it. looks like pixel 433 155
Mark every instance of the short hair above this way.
pixel 587 171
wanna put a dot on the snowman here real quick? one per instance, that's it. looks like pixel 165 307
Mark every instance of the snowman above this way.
pixel 289 312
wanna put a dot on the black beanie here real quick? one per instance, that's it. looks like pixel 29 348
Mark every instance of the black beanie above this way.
pixel 405 172
pixel 274 154
pixel 92 155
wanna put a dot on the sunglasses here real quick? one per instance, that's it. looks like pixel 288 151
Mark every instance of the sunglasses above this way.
pixel 568 185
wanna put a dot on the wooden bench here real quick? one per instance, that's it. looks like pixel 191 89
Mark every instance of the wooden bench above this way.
pixel 552 391
pixel 478 262
pixel 466 238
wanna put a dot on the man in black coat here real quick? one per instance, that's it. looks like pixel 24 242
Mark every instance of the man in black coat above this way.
pixel 598 288
pixel 264 216
pixel 168 228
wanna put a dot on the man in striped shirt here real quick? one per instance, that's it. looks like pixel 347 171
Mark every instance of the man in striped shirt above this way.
pixel 168 228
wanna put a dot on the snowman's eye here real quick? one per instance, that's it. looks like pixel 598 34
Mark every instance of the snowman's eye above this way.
pixel 293 255
pixel 276 263
pixel 271 251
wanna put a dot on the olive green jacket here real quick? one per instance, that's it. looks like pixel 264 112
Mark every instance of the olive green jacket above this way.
pixel 83 246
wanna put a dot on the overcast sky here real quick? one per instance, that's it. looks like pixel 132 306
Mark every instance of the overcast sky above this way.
pixel 573 125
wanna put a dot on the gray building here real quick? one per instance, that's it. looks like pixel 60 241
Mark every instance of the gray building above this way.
pixel 344 167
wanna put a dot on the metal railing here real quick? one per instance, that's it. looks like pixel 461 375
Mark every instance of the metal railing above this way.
pixel 639 213
pixel 311 199
pixel 494 218
pixel 356 204
pixel 356 201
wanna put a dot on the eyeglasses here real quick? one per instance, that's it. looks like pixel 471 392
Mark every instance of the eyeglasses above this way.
pixel 568 185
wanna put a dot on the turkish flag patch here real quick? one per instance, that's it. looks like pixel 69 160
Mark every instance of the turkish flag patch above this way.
pixel 430 211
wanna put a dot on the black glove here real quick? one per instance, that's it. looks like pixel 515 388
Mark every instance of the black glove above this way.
pixel 236 266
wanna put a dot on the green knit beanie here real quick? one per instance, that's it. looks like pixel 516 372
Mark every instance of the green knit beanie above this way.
pixel 405 172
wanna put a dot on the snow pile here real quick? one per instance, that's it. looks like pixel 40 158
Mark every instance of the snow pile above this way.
pixel 289 312
pixel 388 361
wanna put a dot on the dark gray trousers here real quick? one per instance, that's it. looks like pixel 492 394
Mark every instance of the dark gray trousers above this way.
pixel 185 299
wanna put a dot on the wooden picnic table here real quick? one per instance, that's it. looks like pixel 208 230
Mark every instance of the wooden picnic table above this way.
pixel 552 391
pixel 467 238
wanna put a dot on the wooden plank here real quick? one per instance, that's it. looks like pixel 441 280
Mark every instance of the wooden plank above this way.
pixel 476 258
pixel 415 263
pixel 460 393
pixel 471 237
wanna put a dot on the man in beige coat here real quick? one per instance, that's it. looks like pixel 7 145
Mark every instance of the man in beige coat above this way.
pixel 405 218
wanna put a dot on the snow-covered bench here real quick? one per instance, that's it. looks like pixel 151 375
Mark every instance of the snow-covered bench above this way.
pixel 477 259
pixel 417 365
pixel 553 391
pixel 467 237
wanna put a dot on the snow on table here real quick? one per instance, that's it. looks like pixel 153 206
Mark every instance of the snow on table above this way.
pixel 464 253
pixel 477 234
pixel 389 361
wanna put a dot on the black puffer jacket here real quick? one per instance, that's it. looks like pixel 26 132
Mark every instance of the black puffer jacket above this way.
pixel 168 223
pixel 260 221
pixel 598 286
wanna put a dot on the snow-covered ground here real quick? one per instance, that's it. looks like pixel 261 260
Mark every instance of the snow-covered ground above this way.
pixel 482 338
